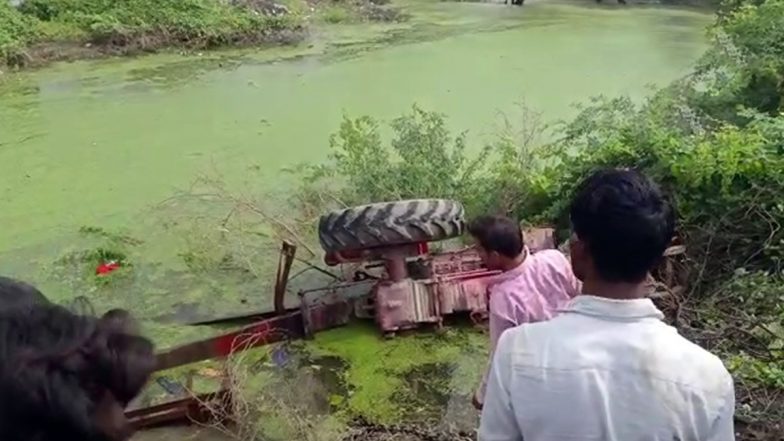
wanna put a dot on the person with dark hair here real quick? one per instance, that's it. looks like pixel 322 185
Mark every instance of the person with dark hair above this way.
pixel 15 293
pixel 531 287
pixel 65 376
pixel 607 367
pixel 121 321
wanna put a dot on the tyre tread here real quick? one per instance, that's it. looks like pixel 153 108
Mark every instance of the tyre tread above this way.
pixel 391 223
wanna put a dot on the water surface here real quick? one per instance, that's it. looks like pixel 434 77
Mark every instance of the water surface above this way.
pixel 99 142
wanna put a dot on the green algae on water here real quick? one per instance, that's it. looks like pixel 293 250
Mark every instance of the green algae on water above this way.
pixel 380 370
pixel 102 143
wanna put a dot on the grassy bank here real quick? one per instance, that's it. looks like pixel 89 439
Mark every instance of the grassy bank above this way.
pixel 44 30
pixel 40 31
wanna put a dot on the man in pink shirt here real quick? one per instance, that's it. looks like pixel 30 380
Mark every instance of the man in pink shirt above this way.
pixel 532 286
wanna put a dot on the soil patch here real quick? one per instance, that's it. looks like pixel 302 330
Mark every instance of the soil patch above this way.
pixel 41 54
pixel 361 430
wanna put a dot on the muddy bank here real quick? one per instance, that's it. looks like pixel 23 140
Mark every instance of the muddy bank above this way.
pixel 43 31
pixel 361 430
pixel 42 54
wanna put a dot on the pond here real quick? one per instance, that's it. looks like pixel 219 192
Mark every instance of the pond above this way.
pixel 97 143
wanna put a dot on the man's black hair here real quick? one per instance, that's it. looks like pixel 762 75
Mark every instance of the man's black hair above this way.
pixel 625 221
pixel 65 376
pixel 120 320
pixel 499 234
pixel 15 294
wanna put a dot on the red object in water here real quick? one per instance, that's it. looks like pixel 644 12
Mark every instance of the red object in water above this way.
pixel 106 267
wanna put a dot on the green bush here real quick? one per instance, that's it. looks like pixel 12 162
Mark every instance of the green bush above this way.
pixel 421 159
pixel 49 10
pixel 145 23
pixel 744 68
pixel 336 14
pixel 194 22
pixel 756 298
pixel 725 182
pixel 16 30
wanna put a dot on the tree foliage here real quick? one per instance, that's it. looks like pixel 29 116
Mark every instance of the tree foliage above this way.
pixel 15 29
pixel 423 158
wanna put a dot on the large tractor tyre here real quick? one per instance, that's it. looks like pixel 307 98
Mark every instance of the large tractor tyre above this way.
pixel 391 223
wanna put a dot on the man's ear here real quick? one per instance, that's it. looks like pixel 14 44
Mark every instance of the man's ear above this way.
pixel 579 256
pixel 578 248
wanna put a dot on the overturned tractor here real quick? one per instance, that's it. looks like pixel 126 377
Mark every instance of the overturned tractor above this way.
pixel 398 270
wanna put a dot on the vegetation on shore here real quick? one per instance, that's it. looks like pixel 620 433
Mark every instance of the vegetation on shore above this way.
pixel 38 31
pixel 125 26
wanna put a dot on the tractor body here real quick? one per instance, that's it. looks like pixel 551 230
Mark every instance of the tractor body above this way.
pixel 413 286
pixel 382 268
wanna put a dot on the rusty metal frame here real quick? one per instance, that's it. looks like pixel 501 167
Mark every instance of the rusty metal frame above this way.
pixel 286 259
pixel 191 409
pixel 288 326
pixel 329 311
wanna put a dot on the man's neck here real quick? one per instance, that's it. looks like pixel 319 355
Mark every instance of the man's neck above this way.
pixel 615 291
pixel 514 263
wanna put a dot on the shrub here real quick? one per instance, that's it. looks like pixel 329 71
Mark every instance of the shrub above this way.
pixel 421 159
pixel 744 68
pixel 16 30
pixel 336 14
pixel 48 10
pixel 144 23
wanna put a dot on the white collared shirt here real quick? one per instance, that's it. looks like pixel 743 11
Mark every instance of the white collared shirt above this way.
pixel 607 370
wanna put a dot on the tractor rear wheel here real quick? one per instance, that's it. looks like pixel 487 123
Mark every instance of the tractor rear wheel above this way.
pixel 391 223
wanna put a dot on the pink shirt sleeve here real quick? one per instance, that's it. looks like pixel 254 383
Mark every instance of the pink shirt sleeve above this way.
pixel 576 284
pixel 498 325
pixel 561 265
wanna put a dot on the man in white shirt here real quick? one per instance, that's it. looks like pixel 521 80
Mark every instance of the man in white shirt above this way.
pixel 607 368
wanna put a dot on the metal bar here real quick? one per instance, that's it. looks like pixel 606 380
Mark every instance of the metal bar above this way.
pixel 395 264
pixel 303 305
pixel 184 410
pixel 250 317
pixel 468 275
pixel 288 326
pixel 259 334
pixel 338 286
pixel 287 252
pixel 314 267
pixel 157 408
